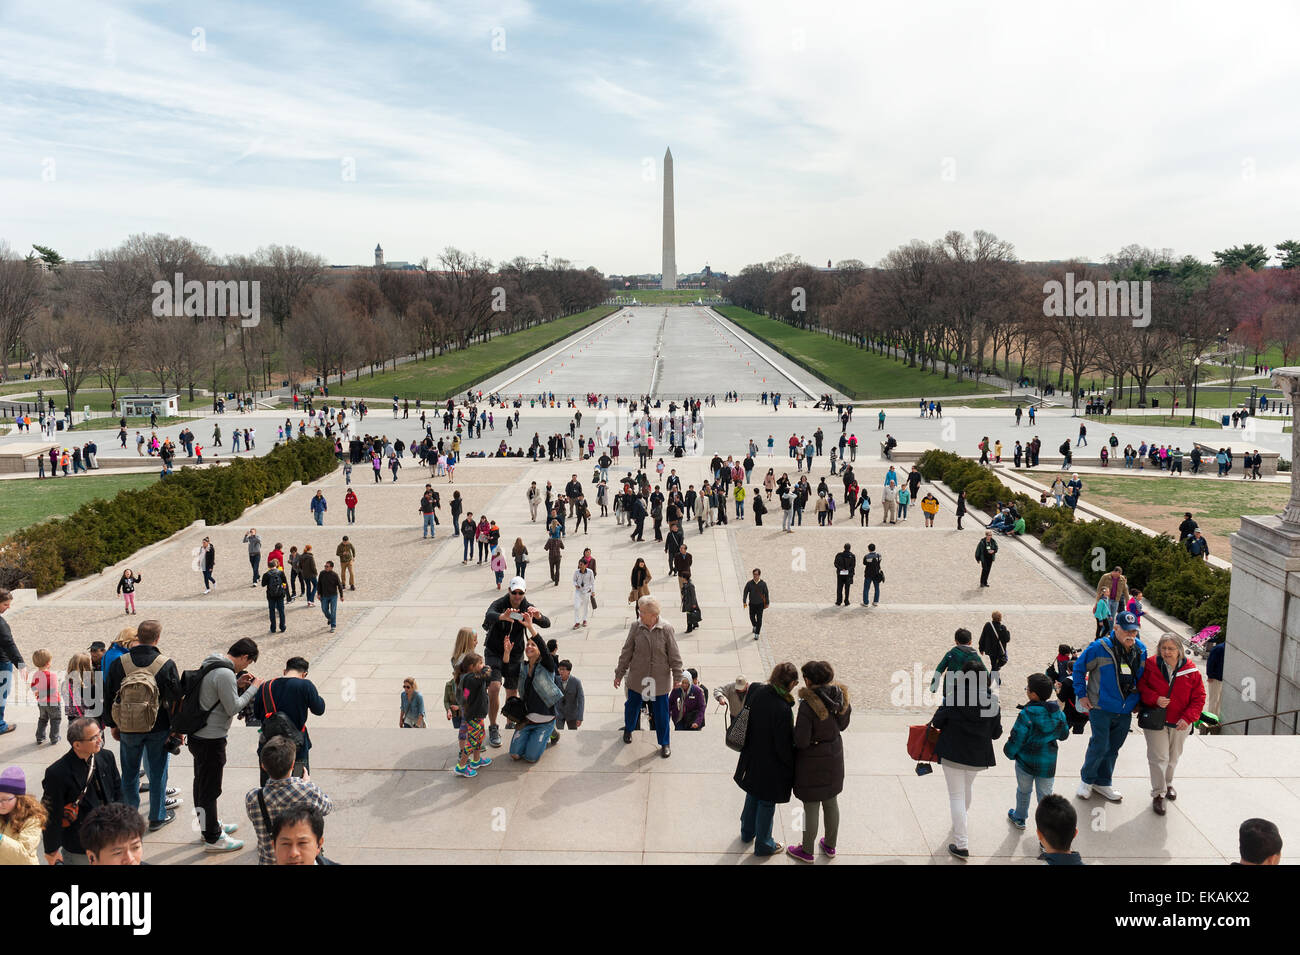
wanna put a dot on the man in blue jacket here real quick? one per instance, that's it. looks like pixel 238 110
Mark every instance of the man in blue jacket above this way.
pixel 1109 669
pixel 318 507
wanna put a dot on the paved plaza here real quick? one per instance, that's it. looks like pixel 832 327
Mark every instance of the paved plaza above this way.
pixel 591 798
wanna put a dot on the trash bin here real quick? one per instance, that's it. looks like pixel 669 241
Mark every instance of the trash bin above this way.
pixel 1155 402
pixel 1225 421
pixel 59 425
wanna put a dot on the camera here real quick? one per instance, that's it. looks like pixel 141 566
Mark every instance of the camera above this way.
pixel 173 745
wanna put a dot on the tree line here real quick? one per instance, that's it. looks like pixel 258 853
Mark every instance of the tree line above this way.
pixel 79 322
pixel 968 305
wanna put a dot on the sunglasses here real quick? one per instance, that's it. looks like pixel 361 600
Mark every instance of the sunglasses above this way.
pixel 517 593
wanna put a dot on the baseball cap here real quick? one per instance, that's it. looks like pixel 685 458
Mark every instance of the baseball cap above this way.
pixel 517 583
pixel 1127 620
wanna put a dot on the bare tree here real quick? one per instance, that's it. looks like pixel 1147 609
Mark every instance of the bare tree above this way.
pixel 21 281
pixel 72 344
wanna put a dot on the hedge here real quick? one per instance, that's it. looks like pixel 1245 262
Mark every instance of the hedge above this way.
pixel 103 532
pixel 1170 579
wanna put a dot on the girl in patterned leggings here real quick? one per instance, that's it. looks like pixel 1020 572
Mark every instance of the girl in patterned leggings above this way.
pixel 472 691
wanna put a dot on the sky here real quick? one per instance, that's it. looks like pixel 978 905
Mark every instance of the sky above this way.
pixel 532 127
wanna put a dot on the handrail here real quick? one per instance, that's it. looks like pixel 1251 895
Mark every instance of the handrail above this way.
pixel 1265 716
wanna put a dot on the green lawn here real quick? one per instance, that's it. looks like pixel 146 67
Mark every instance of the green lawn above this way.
pixel 13 387
pixel 855 371
pixel 1217 504
pixel 680 296
pixel 26 501
pixel 1008 406
pixel 453 372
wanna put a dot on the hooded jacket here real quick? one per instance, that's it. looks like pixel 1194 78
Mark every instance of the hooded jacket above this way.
pixel 823 714
pixel 1033 740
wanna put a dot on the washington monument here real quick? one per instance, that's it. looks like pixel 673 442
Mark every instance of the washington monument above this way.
pixel 670 242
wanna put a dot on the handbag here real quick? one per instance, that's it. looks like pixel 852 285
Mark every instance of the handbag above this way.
pixel 921 743
pixel 1153 717
pixel 739 727
pixel 593 600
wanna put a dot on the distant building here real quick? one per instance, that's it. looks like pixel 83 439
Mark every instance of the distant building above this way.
pixel 379 256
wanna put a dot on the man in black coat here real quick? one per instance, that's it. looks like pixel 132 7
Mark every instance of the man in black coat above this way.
pixel 636 511
pixel 500 625
pixel 83 778
pixel 845 564
pixel 765 769
pixel 673 545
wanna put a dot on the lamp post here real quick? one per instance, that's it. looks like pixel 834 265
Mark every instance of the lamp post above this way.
pixel 1196 375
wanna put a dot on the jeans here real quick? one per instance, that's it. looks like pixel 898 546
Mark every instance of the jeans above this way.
pixel 208 579
pixel 256 561
pixel 756 823
pixel 787 519
pixel 530 741
pixel 429 529
pixel 740 508
pixel 6 681
pixel 320 517
pixel 329 606
pixel 1109 730
pixel 659 708
pixel 1025 784
pixel 150 746
pixel 309 584
pixel 811 810
pixel 209 767
pixel 866 586
pixel 274 606
pixel 352 515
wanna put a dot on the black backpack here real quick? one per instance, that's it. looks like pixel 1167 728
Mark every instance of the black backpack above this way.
pixel 191 717
pixel 274 722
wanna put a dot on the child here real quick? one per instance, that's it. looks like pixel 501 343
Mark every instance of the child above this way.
pixel 1061 672
pixel 347 472
pixel 1057 824
pixel 1033 743
pixel 45 687
pixel 473 696
pixel 79 687
pixel 1135 604
pixel 498 565
pixel 126 587
pixel 1102 613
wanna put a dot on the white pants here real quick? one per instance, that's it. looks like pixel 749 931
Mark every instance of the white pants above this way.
pixel 1163 749
pixel 581 606
pixel 960 780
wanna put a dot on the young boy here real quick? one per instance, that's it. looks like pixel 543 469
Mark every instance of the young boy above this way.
pixel 1057 825
pixel 1033 743
pixel 569 710
pixel 45 687
pixel 473 708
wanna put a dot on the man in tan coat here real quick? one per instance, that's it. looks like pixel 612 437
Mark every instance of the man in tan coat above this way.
pixel 653 666
pixel 1114 587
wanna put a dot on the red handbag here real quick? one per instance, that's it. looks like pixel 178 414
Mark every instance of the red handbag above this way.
pixel 921 742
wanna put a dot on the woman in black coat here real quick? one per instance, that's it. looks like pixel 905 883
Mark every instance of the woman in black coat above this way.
pixel 961 507
pixel 819 755
pixel 968 723
pixel 765 770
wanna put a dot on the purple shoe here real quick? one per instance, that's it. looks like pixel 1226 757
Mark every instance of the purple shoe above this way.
pixel 798 853
pixel 825 848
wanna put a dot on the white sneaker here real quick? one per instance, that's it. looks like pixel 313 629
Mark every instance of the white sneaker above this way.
pixel 1085 791
pixel 226 828
pixel 1109 792
pixel 224 844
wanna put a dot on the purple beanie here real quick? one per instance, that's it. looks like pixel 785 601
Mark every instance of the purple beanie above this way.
pixel 13 780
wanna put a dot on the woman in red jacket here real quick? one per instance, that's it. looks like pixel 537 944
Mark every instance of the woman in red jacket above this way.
pixel 1170 682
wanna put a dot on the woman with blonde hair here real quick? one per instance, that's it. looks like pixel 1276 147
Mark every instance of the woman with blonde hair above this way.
pixel 412 716
pixel 123 642
pixel 466 643
pixel 22 818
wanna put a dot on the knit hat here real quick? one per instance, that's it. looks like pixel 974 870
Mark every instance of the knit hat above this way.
pixel 13 780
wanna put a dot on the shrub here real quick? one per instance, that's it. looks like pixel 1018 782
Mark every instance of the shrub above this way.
pixel 103 532
pixel 1171 579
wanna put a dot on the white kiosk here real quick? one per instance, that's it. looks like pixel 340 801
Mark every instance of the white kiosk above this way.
pixel 141 406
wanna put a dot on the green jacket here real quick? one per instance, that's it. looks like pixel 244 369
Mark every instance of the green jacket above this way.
pixel 954 660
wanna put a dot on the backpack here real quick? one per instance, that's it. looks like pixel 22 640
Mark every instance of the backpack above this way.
pixel 274 722
pixel 191 717
pixel 276 588
pixel 136 706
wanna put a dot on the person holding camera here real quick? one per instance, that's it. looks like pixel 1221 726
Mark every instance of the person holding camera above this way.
pixel 221 695
pixel 143 687
pixel 82 779
pixel 509 619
